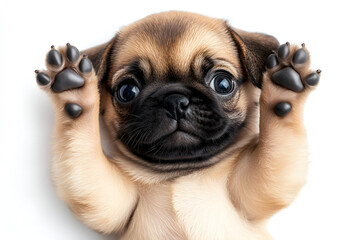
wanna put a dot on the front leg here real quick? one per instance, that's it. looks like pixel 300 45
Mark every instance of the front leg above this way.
pixel 269 176
pixel 94 188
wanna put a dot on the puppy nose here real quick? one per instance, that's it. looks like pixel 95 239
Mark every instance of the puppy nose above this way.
pixel 176 105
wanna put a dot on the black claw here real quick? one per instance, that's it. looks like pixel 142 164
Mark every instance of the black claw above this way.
pixel 282 109
pixel 67 79
pixel 271 61
pixel 72 53
pixel 54 58
pixel 288 78
pixel 284 50
pixel 73 110
pixel 312 79
pixel 42 78
pixel 85 65
pixel 300 56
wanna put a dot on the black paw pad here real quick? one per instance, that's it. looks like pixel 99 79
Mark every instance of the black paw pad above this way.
pixel 300 56
pixel 67 79
pixel 43 79
pixel 54 58
pixel 271 61
pixel 288 78
pixel 85 65
pixel 284 51
pixel 312 79
pixel 281 109
pixel 73 110
pixel 72 53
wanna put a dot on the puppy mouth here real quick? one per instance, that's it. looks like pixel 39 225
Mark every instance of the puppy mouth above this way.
pixel 171 148
pixel 180 147
pixel 179 137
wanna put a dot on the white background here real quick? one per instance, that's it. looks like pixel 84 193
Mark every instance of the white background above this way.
pixel 327 207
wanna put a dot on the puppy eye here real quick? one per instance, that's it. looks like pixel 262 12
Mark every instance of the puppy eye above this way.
pixel 222 83
pixel 127 91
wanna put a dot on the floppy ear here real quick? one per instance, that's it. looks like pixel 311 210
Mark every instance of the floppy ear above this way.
pixel 253 49
pixel 100 58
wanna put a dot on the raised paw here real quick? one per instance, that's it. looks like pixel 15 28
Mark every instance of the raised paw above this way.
pixel 287 76
pixel 69 79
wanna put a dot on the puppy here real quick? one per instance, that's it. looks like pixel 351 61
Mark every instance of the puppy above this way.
pixel 205 125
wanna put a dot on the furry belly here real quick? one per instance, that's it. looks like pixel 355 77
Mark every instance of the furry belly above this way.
pixel 205 211
pixel 193 207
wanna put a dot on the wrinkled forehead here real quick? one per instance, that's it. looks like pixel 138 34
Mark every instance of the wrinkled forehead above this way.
pixel 176 43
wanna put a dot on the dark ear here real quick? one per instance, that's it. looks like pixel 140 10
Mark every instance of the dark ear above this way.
pixel 253 50
pixel 100 58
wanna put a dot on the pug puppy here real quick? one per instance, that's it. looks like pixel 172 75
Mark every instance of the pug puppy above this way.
pixel 204 121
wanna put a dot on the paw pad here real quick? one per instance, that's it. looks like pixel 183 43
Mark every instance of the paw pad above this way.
pixel 288 68
pixel 68 76
pixel 288 78
pixel 73 110
pixel 66 80
pixel 282 109
pixel 67 70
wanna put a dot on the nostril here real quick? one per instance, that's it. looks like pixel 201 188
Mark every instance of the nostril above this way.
pixel 183 104
pixel 176 105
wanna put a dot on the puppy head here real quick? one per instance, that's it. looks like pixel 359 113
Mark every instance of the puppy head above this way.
pixel 179 91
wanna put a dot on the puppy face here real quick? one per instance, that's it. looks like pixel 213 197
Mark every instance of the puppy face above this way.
pixel 177 90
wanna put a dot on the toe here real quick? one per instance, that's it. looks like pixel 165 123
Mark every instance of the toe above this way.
pixel 284 50
pixel 313 78
pixel 54 58
pixel 42 78
pixel 271 61
pixel 85 65
pixel 300 56
pixel 72 53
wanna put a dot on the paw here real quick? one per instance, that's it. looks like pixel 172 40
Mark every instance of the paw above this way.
pixel 288 79
pixel 69 80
